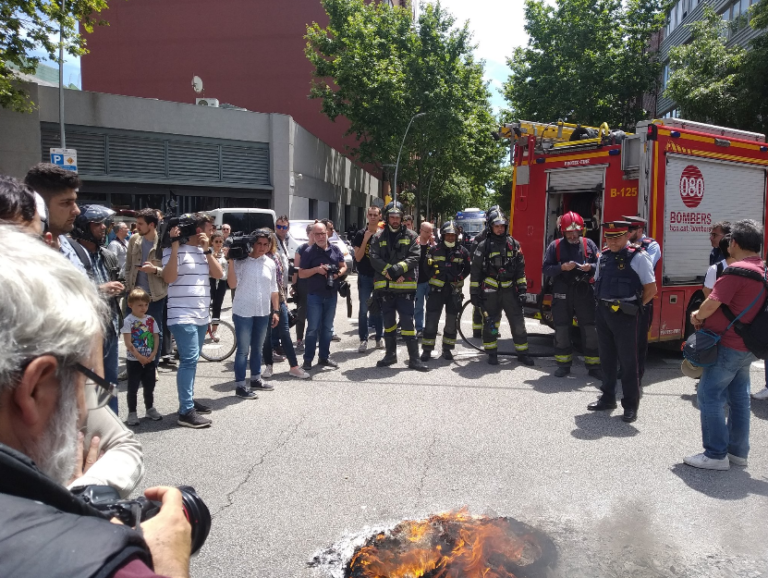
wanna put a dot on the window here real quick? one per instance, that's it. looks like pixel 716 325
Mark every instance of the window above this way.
pixel 313 208
pixel 664 77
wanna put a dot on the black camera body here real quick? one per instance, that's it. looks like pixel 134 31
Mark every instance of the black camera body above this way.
pixel 240 246
pixel 133 512
pixel 332 270
pixel 187 225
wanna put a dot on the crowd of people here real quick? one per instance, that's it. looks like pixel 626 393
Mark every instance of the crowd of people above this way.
pixel 63 314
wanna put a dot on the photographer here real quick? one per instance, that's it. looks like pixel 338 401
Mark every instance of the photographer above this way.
pixel 317 263
pixel 44 530
pixel 100 263
pixel 187 266
pixel 256 307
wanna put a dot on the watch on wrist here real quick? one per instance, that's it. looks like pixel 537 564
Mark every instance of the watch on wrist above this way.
pixel 275 312
pixel 208 251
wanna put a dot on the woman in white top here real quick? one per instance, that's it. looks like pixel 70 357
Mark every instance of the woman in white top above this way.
pixel 218 286
pixel 256 306
pixel 714 271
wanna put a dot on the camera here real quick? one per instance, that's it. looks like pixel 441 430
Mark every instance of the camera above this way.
pixel 240 245
pixel 332 270
pixel 133 512
pixel 187 225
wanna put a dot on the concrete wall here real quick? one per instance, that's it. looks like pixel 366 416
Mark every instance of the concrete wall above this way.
pixel 20 138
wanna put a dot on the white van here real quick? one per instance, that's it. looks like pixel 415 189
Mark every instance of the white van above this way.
pixel 244 220
pixel 297 235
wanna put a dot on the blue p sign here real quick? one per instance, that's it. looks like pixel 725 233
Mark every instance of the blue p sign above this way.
pixel 57 159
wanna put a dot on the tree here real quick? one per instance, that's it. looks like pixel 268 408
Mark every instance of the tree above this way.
pixel 30 25
pixel 705 74
pixel 587 61
pixel 375 68
pixel 753 81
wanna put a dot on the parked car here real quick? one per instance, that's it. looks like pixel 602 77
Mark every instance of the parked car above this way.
pixel 297 234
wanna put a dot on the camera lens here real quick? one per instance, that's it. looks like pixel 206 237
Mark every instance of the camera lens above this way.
pixel 197 514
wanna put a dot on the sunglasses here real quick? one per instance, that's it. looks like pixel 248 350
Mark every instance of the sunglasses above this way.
pixel 98 391
pixel 282 227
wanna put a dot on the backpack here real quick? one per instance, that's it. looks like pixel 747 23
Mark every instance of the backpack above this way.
pixel 755 334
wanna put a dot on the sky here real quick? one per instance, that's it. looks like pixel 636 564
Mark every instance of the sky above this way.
pixel 497 28
pixel 496 25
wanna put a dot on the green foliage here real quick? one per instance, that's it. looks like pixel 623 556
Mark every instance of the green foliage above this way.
pixel 704 75
pixel 377 68
pixel 29 25
pixel 754 75
pixel 587 61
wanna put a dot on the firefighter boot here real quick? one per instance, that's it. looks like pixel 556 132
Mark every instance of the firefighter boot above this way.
pixel 525 359
pixel 413 356
pixel 493 358
pixel 390 357
pixel 447 354
pixel 426 354
pixel 597 373
pixel 562 371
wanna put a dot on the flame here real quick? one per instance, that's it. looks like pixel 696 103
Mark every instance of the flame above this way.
pixel 449 545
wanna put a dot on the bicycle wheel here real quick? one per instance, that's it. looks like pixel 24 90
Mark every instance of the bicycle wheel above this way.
pixel 224 347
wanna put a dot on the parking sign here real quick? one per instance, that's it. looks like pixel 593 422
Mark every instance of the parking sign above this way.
pixel 64 158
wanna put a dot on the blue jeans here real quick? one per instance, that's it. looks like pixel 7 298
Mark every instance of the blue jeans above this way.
pixel 320 313
pixel 155 311
pixel 280 335
pixel 110 366
pixel 364 290
pixel 726 382
pixel 422 290
pixel 189 341
pixel 250 333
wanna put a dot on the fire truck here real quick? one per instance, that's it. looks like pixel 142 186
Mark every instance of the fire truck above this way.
pixel 681 176
pixel 472 222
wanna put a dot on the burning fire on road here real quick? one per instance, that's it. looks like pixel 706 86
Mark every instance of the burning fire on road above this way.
pixel 449 545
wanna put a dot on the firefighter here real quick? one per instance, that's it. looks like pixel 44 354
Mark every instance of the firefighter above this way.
pixel 570 263
pixel 477 313
pixel 450 265
pixel 624 281
pixel 637 226
pixel 394 255
pixel 497 283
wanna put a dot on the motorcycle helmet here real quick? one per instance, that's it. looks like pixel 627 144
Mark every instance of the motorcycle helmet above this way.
pixel 91 214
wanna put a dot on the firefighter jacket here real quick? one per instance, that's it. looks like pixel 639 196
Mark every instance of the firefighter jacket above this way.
pixel 449 265
pixel 396 254
pixel 498 263
pixel 561 251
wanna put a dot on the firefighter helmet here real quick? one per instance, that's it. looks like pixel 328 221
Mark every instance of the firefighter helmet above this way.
pixel 571 222
pixel 393 208
pixel 448 228
pixel 91 214
pixel 492 214
pixel 497 219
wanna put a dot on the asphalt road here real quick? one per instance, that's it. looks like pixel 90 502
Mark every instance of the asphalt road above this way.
pixel 320 461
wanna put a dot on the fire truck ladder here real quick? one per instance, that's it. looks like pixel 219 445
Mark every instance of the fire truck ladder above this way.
pixel 553 136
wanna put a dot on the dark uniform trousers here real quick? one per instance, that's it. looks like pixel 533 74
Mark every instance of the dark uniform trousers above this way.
pixel 617 341
pixel 394 305
pixel 505 300
pixel 477 321
pixel 568 299
pixel 643 327
pixel 437 299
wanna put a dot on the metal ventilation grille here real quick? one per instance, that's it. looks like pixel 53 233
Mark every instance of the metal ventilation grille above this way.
pixel 245 164
pixel 91 150
pixel 136 157
pixel 193 161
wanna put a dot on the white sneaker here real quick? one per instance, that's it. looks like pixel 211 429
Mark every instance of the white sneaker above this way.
pixel 299 372
pixel 363 347
pixel 267 371
pixel 736 460
pixel 705 463
pixel 379 344
pixel 153 414
pixel 761 395
pixel 133 419
pixel 215 337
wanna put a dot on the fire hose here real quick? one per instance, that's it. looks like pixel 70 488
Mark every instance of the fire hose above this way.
pixel 466 340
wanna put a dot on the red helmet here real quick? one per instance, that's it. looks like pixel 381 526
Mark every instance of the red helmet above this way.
pixel 571 222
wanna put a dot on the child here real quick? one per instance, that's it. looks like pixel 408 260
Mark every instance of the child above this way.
pixel 141 341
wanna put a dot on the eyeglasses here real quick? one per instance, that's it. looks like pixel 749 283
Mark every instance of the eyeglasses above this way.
pixel 713 235
pixel 282 227
pixel 98 391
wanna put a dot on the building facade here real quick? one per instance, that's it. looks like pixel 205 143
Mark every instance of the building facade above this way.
pixel 136 152
pixel 676 33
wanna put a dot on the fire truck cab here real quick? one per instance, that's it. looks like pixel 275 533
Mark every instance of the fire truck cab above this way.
pixel 681 176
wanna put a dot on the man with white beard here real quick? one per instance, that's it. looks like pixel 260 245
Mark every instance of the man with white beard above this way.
pixel 51 330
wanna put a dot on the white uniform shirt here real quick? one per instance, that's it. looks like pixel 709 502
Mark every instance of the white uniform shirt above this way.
pixel 189 297
pixel 654 251
pixel 711 276
pixel 256 281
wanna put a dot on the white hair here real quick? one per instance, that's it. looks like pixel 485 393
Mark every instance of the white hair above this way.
pixel 47 306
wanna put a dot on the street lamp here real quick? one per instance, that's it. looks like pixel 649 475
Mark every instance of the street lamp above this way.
pixel 397 164
pixel 61 76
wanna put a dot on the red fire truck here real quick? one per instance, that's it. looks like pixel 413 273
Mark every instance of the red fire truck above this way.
pixel 681 176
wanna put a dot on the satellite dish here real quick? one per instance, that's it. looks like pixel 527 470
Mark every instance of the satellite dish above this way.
pixel 197 84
